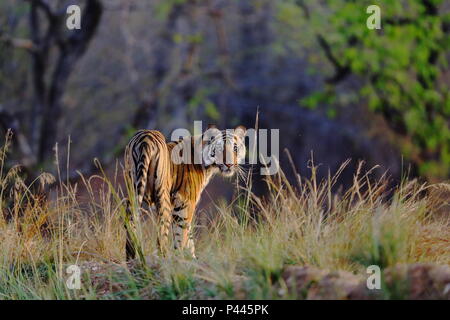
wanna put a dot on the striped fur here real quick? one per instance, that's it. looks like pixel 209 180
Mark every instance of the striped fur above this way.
pixel 173 188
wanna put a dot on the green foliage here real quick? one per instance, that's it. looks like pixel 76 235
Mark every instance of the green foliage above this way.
pixel 401 66
pixel 163 8
pixel 181 286
pixel 200 99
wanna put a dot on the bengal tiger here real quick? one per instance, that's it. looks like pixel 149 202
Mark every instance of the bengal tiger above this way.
pixel 162 175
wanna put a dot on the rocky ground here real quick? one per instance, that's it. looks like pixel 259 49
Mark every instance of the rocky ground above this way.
pixel 412 282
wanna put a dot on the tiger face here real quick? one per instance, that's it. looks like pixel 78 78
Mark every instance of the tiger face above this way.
pixel 224 150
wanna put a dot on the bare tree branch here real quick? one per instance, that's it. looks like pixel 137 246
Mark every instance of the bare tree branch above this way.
pixel 19 43
pixel 71 49
pixel 341 71
pixel 44 6
pixel 10 121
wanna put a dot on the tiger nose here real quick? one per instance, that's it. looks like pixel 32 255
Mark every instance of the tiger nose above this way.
pixel 228 165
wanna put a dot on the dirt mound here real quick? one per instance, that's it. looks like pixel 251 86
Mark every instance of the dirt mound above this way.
pixel 421 281
pixel 315 284
pixel 415 281
pixel 418 281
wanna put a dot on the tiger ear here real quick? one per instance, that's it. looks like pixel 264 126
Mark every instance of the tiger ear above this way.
pixel 210 133
pixel 240 131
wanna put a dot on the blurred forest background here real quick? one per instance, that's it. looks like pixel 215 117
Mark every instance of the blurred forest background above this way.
pixel 313 68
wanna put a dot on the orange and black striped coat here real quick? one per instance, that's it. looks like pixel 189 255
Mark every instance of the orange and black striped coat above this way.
pixel 160 177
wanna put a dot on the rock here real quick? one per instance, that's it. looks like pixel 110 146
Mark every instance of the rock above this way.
pixel 315 284
pixel 420 281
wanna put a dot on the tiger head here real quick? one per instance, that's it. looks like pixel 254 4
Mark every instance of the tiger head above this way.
pixel 224 150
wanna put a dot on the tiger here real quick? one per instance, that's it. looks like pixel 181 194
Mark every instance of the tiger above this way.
pixel 161 175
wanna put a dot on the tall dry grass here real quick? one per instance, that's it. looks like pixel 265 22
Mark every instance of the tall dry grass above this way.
pixel 242 249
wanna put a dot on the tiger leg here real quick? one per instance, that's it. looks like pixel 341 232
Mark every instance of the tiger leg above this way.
pixel 179 224
pixel 132 246
pixel 190 243
pixel 164 208
pixel 136 165
pixel 182 221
